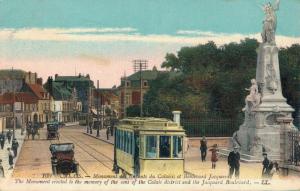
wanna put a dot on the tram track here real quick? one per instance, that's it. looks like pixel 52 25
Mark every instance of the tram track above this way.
pixel 74 140
pixel 105 156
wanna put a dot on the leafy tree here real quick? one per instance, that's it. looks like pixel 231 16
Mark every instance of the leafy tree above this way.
pixel 133 111
pixel 213 79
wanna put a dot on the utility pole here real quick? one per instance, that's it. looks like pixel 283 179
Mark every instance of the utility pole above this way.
pixel 102 111
pixel 98 124
pixel 88 112
pixel 90 107
pixel 139 66
pixel 14 102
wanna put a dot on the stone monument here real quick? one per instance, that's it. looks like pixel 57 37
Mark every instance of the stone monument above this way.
pixel 265 103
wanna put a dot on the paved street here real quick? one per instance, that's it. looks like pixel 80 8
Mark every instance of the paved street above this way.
pixel 94 156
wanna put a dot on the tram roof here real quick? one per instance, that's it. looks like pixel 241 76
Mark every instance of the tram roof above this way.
pixel 150 123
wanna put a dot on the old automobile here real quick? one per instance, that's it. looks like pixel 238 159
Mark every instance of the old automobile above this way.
pixel 62 160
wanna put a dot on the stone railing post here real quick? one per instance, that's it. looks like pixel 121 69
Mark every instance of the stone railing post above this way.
pixel 285 143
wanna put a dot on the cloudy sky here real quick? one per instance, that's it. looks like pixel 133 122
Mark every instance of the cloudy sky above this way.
pixel 102 37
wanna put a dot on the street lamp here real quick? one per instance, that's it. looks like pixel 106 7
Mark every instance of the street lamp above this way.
pixel 97 95
pixel 87 123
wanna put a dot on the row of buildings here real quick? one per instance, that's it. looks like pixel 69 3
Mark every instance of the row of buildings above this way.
pixel 23 95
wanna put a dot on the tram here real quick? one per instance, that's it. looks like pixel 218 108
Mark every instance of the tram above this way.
pixel 149 146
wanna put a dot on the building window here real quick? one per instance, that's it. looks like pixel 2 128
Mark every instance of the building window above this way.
pixel 145 84
pixel 127 83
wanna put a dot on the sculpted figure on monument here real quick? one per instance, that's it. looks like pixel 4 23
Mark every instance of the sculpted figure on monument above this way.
pixel 270 22
pixel 271 78
pixel 253 97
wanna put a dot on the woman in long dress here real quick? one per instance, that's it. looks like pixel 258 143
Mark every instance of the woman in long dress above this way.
pixel 214 156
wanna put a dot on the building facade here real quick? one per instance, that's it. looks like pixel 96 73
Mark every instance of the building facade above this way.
pixel 65 106
pixel 84 87
pixel 131 89
pixel 21 105
pixel 44 101
pixel 107 98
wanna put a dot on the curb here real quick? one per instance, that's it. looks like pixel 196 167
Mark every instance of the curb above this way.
pixel 98 138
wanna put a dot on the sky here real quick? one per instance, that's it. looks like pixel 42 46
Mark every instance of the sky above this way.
pixel 102 37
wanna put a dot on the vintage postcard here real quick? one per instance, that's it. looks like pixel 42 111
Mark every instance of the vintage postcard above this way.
pixel 149 95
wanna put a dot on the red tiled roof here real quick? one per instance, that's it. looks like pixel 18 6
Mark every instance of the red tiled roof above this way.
pixel 6 98
pixel 10 98
pixel 26 97
pixel 38 90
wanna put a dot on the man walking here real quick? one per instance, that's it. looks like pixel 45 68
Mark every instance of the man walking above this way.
pixel 10 158
pixel 2 140
pixel 265 163
pixel 203 148
pixel 234 162
pixel 8 135
pixel 15 146
pixel 107 133
pixel 1 170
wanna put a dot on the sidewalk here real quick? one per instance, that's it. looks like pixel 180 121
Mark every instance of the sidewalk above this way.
pixel 102 136
pixel 4 153
pixel 68 124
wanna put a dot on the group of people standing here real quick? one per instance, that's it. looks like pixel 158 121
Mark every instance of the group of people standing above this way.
pixel 214 152
pixel 12 151
pixel 233 158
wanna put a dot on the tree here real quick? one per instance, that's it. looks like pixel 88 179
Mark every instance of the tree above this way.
pixel 213 79
pixel 133 111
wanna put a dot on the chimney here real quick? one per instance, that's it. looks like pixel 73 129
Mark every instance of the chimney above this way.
pixel 176 116
pixel 35 78
pixel 39 81
pixel 29 77
pixel 56 75
pixel 50 85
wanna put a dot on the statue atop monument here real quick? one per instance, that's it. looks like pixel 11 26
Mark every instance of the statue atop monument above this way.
pixel 270 22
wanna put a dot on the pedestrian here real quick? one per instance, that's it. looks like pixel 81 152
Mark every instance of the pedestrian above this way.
pixel 297 152
pixel 273 169
pixel 203 148
pixel 8 135
pixel 234 162
pixel 112 129
pixel 10 158
pixel 1 170
pixel 2 140
pixel 214 156
pixel 107 133
pixel 265 163
pixel 15 146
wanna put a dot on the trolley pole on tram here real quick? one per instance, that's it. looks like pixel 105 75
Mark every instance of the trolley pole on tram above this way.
pixel 97 96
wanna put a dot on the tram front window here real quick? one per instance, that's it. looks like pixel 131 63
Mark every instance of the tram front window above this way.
pixel 150 146
pixel 164 146
pixel 177 147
